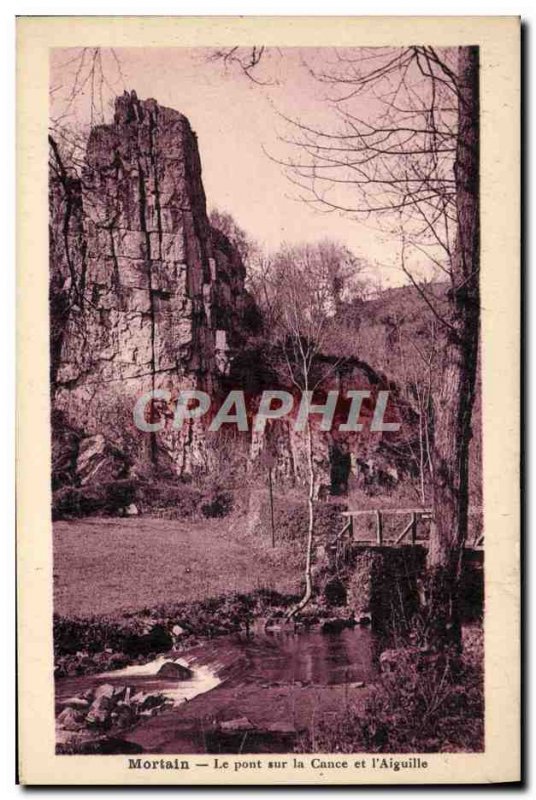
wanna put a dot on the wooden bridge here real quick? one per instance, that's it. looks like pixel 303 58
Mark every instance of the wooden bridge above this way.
pixel 409 534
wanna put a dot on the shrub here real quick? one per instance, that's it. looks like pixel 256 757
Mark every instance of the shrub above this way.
pixel 82 501
pixel 219 505
pixel 291 518
pixel 167 498
pixel 120 493
pixel 425 704
pixel 177 497
pixel 72 501
pixel 181 500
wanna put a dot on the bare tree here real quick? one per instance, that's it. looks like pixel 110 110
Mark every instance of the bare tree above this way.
pixel 341 275
pixel 225 223
pixel 405 150
pixel 247 59
pixel 418 381
pixel 300 295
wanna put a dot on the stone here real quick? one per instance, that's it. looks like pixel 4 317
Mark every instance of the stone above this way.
pixel 105 699
pixel 98 461
pixel 172 669
pixel 78 703
pixel 71 720
pixel 137 699
pixel 100 711
pixel 124 716
pixel 152 701
pixel 104 690
pixel 131 510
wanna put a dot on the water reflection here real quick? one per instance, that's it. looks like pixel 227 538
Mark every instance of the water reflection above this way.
pixel 280 657
pixel 310 657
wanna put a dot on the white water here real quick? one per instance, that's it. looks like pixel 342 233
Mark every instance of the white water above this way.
pixel 145 678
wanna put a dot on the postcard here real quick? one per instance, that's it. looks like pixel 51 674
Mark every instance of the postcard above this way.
pixel 268 400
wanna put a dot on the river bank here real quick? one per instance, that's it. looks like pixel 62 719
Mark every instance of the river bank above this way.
pixel 255 683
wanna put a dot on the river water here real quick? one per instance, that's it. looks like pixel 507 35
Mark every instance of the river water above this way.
pixel 261 676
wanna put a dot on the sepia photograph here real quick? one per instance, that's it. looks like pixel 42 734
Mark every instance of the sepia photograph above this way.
pixel 265 400
pixel 268 346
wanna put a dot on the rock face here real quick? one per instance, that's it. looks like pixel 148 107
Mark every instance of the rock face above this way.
pixel 97 460
pixel 144 294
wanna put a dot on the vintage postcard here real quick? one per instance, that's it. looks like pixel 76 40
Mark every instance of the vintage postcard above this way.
pixel 268 409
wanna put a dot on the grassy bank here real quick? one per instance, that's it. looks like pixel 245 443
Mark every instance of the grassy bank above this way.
pixel 108 566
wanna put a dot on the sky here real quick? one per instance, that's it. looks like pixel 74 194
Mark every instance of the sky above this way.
pixel 239 124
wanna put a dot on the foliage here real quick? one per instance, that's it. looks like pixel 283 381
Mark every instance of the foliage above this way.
pixel 225 223
pixel 291 518
pixel 95 498
pixel 425 705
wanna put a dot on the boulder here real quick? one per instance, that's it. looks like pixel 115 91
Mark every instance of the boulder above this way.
pixel 143 244
pixel 99 716
pixel 152 701
pixel 136 699
pixel 172 669
pixel 104 690
pixel 103 705
pixel 124 716
pixel 71 720
pixel 98 461
pixel 78 703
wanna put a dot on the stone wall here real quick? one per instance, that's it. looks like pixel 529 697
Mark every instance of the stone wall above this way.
pixel 386 585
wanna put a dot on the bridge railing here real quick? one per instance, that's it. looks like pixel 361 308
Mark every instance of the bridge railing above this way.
pixel 416 516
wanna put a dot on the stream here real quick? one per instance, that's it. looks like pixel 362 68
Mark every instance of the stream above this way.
pixel 251 693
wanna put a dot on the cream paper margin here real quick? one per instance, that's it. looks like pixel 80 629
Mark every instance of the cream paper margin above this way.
pixel 498 39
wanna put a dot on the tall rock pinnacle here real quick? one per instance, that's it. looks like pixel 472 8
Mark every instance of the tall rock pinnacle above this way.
pixel 159 296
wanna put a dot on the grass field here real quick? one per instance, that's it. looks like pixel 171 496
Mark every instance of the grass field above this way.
pixel 105 565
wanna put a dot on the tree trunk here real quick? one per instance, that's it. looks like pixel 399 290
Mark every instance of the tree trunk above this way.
pixel 308 593
pixel 454 403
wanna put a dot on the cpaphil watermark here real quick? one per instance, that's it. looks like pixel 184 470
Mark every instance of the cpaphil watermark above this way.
pixel 341 411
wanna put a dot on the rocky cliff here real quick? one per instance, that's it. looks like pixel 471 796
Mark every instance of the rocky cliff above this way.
pixel 144 294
